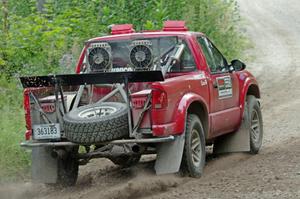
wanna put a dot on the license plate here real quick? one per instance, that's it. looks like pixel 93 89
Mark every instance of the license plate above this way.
pixel 46 131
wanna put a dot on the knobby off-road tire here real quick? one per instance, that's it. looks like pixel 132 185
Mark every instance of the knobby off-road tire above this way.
pixel 96 123
pixel 255 123
pixel 193 159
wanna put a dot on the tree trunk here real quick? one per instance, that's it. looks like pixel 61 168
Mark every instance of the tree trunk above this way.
pixel 40 5
pixel 5 16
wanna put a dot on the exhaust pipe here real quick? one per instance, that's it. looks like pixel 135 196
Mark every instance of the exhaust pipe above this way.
pixel 136 148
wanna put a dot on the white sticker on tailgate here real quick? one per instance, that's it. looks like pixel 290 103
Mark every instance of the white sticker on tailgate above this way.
pixel 46 131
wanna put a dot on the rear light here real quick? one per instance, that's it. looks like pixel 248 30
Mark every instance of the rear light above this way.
pixel 28 134
pixel 26 104
pixel 159 99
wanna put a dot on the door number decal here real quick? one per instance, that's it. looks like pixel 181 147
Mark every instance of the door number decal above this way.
pixel 224 87
pixel 203 82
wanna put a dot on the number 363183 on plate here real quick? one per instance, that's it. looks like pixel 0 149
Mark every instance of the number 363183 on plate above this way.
pixel 46 131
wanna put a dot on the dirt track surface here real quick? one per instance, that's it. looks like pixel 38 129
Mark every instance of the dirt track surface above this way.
pixel 274 26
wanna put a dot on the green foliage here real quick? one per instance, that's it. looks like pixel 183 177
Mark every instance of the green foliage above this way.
pixel 35 45
pixel 14 161
pixel 36 41
pixel 35 37
pixel 219 20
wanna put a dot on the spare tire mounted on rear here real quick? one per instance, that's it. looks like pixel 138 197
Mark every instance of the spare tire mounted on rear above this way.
pixel 95 123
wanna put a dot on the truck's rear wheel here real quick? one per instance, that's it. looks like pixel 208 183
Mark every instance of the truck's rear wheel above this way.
pixel 255 124
pixel 193 159
pixel 96 123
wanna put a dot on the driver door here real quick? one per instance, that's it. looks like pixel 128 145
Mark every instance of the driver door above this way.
pixel 224 91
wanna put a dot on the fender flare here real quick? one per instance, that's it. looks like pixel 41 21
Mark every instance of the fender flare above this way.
pixel 182 110
pixel 249 82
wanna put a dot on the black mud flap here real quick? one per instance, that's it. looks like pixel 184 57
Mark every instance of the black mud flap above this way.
pixel 44 167
pixel 238 141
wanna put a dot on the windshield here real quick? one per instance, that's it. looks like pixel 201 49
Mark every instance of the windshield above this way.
pixel 128 55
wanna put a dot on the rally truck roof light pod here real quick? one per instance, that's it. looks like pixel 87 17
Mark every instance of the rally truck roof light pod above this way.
pixel 168 26
pixel 122 29
pixel 175 26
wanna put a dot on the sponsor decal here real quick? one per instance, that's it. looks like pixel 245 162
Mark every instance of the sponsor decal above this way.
pixel 199 76
pixel 224 87
pixel 48 107
pixel 121 69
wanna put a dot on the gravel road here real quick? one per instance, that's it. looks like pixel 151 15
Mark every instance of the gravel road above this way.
pixel 274 27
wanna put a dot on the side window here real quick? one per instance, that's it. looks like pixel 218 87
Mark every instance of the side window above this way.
pixel 207 54
pixel 187 62
pixel 216 62
pixel 220 61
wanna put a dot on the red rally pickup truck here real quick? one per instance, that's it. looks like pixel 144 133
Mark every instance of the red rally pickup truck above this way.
pixel 169 93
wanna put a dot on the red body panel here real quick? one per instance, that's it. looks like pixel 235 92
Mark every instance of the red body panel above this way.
pixel 184 88
pixel 179 90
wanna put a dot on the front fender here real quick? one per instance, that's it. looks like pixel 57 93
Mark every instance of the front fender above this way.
pixel 249 82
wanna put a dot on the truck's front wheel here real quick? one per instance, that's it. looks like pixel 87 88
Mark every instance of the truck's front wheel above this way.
pixel 193 159
pixel 255 124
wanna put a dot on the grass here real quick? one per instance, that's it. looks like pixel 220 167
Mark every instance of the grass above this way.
pixel 14 161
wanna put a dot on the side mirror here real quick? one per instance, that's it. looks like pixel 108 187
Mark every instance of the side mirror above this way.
pixel 237 65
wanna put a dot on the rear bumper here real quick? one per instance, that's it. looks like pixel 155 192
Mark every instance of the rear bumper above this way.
pixel 165 129
pixel 30 144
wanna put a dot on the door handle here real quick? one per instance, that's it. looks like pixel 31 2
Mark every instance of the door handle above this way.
pixel 215 85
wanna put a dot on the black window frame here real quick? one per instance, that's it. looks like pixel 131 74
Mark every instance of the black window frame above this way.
pixel 207 41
